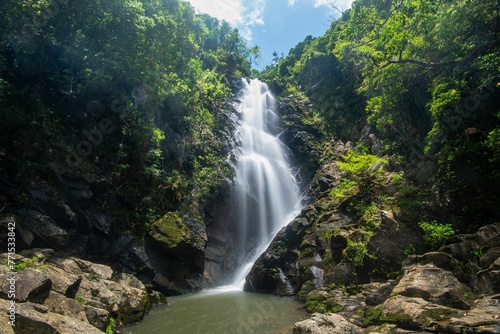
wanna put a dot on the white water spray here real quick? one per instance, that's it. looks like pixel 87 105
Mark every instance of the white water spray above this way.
pixel 267 195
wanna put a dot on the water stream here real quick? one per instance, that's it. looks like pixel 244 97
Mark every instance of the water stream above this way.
pixel 266 197
pixel 266 192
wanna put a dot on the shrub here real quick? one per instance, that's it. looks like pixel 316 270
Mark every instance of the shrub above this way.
pixel 435 234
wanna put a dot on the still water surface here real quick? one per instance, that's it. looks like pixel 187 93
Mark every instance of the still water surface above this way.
pixel 222 311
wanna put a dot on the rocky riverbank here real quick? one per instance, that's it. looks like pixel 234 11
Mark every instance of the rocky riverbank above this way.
pixel 56 294
pixel 453 290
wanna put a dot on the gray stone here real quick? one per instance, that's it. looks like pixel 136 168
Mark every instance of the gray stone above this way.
pixel 30 318
pixel 435 285
pixel 325 324
pixel 97 317
pixel 30 284
pixel 58 303
pixel 63 281
pixel 415 312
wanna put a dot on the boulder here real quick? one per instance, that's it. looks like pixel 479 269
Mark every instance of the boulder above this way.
pixel 97 317
pixel 325 324
pixel 63 281
pixel 130 303
pixel 182 237
pixel 45 199
pixel 30 284
pixel 415 313
pixel 489 279
pixel 34 318
pixel 435 285
pixel 95 270
pixel 58 303
pixel 24 236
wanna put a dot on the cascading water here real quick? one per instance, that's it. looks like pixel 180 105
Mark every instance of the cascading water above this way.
pixel 267 194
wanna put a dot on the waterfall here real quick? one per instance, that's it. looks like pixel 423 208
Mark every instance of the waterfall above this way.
pixel 266 192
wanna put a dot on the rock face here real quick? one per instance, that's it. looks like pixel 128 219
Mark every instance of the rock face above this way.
pixel 70 295
pixel 328 244
pixel 66 213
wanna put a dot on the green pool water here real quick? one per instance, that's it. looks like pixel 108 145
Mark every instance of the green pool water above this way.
pixel 222 311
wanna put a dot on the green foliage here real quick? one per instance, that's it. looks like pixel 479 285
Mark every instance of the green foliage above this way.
pixel 357 250
pixel 410 250
pixel 420 74
pixel 156 72
pixel 343 190
pixel 365 169
pixel 435 234
pixel 111 327
pixel 28 263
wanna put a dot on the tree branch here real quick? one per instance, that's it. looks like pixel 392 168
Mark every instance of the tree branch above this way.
pixel 478 51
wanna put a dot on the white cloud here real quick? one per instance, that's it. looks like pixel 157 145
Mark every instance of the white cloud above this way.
pixel 256 14
pixel 230 10
pixel 241 14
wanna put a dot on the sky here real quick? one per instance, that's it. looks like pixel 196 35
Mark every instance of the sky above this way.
pixel 274 25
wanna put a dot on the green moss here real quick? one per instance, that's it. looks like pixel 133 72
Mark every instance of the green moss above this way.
pixel 321 304
pixel 170 229
pixel 375 316
pixel 436 314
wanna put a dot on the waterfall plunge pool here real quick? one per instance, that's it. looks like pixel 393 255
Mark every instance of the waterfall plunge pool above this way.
pixel 222 311
pixel 266 198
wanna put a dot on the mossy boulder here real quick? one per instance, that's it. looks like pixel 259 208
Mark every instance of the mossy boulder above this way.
pixel 170 230
pixel 181 236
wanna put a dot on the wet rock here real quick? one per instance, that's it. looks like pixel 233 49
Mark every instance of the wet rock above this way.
pixel 278 263
pixel 325 324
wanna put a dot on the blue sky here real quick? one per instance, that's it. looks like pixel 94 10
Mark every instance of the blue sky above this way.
pixel 274 25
